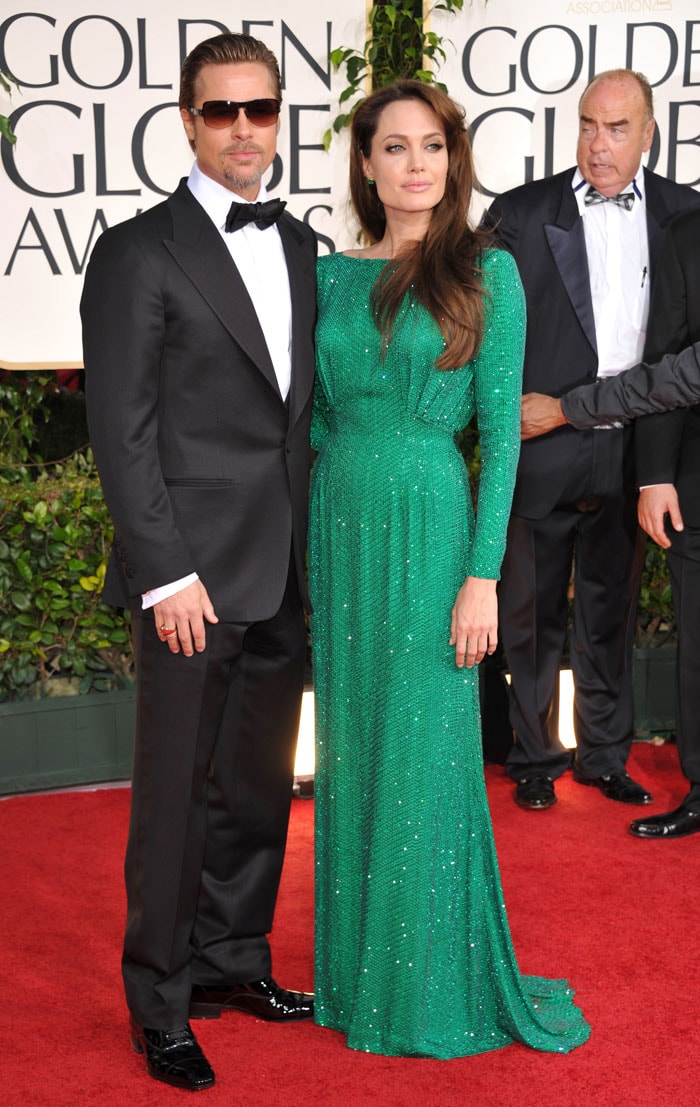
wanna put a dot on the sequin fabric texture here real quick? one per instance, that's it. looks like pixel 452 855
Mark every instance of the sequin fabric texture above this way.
pixel 413 951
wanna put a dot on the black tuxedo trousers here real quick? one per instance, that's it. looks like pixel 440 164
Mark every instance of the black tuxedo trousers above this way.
pixel 593 527
pixel 203 878
pixel 684 569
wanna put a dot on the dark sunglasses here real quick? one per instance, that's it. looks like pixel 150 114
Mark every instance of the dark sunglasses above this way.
pixel 224 113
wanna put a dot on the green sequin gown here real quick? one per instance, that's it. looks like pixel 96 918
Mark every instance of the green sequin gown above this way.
pixel 413 950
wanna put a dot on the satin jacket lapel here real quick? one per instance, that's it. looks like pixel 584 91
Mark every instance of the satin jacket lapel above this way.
pixel 302 280
pixel 568 246
pixel 199 251
pixel 658 213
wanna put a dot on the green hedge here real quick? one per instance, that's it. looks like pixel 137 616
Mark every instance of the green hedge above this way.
pixel 55 536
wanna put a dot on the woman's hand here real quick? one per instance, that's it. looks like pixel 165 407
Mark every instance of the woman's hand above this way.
pixel 474 630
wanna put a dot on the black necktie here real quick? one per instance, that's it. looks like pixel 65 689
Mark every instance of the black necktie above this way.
pixel 623 199
pixel 263 215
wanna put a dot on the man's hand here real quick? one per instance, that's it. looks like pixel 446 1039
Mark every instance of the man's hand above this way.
pixel 655 503
pixel 540 414
pixel 180 619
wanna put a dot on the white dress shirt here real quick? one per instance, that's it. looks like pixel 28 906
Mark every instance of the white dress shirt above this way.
pixel 259 257
pixel 617 247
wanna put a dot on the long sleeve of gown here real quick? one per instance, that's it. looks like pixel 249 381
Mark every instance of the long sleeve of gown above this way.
pixel 498 386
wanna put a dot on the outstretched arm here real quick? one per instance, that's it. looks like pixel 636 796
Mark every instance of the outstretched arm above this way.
pixel 644 389
pixel 673 382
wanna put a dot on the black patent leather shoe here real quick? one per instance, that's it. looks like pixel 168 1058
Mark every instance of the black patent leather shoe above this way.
pixel 672 824
pixel 535 793
pixel 617 786
pixel 262 998
pixel 173 1056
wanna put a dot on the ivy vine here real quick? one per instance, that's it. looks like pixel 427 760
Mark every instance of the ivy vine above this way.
pixel 397 45
pixel 6 83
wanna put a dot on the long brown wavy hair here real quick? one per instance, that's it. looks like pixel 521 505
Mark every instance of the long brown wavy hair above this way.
pixel 442 270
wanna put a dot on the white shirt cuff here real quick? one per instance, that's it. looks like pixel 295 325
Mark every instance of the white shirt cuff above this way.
pixel 157 595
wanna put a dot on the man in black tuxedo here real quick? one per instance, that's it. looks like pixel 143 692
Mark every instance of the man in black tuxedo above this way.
pixel 585 242
pixel 198 323
pixel 668 471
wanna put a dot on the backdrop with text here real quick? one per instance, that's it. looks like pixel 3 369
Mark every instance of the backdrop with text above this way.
pixel 519 69
pixel 100 138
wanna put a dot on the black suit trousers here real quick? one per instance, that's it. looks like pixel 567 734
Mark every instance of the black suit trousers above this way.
pixel 684 568
pixel 595 531
pixel 211 791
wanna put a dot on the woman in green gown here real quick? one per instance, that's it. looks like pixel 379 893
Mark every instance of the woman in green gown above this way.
pixel 416 332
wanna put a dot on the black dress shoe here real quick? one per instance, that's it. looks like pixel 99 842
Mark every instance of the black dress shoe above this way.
pixel 617 786
pixel 262 998
pixel 672 824
pixel 535 793
pixel 173 1056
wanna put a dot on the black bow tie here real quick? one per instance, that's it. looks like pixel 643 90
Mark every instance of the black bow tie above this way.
pixel 623 199
pixel 263 215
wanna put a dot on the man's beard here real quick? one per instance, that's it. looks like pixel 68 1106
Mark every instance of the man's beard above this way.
pixel 238 182
pixel 244 177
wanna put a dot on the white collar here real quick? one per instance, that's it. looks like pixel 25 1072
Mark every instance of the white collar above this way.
pixel 215 198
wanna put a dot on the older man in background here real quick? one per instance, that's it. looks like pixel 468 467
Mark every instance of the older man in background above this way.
pixel 668 469
pixel 585 242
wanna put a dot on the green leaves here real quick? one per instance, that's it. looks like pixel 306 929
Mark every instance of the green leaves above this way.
pixel 56 536
pixel 656 621
pixel 56 539
pixel 6 130
pixel 21 601
pixel 396 46
pixel 21 403
pixel 6 82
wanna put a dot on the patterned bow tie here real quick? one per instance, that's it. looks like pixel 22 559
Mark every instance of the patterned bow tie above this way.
pixel 263 215
pixel 623 199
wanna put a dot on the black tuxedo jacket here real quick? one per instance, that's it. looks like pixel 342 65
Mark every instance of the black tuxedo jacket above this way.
pixel 540 224
pixel 668 446
pixel 204 466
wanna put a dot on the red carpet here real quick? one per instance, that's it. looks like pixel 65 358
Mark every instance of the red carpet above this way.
pixel 617 916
